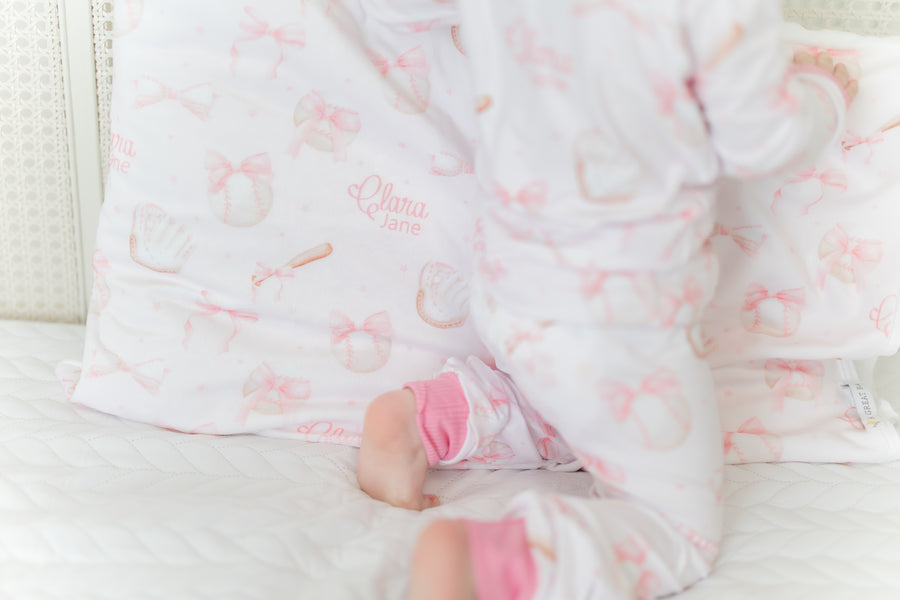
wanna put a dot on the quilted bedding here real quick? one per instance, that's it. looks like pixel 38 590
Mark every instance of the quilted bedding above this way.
pixel 92 506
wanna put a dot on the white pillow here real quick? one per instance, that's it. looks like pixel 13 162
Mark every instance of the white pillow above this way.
pixel 811 273
pixel 285 232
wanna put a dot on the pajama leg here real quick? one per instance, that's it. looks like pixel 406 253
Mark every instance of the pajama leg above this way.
pixel 639 411
pixel 473 416
pixel 593 271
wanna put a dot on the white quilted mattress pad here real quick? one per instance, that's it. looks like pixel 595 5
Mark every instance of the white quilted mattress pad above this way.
pixel 92 506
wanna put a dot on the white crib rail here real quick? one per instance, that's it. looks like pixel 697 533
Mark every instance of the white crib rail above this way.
pixel 77 38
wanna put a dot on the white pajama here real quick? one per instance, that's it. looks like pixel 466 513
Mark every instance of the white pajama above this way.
pixel 604 127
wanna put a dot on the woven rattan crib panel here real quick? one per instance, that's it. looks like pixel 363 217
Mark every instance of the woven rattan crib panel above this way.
pixel 38 250
pixel 865 17
pixel 102 13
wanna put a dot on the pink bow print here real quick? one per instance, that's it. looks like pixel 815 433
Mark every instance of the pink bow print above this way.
pixel 148 374
pixel 530 197
pixel 208 309
pixel 494 452
pixel 256 28
pixel 635 551
pixel 748 238
pixel 757 294
pixel 412 62
pixel 755 427
pixel 341 124
pixel 198 98
pixel 692 296
pixel 264 385
pixel 851 416
pixel 827 177
pixel 263 272
pixel 377 325
pixel 791 374
pixel 884 315
pixel 661 384
pixel 852 140
pixel 841 245
pixel 256 167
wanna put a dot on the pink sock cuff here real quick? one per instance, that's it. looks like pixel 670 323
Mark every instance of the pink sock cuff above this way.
pixel 441 415
pixel 501 559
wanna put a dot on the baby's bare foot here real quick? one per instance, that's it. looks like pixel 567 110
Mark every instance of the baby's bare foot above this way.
pixel 442 567
pixel 392 461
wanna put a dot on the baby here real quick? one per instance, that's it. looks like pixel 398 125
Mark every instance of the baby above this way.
pixel 604 127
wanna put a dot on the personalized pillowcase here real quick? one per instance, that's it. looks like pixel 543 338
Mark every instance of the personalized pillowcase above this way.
pixel 288 217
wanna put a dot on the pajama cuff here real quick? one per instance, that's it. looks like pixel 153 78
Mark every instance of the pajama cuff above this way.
pixel 501 559
pixel 442 415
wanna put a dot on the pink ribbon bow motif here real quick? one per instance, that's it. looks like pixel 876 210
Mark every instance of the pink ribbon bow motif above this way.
pixel 208 309
pixel 859 251
pixel 257 28
pixel 635 551
pixel 692 296
pixel 339 125
pixel 257 167
pixel 662 384
pixel 377 325
pixel 851 416
pixel 148 374
pixel 753 426
pixel 852 140
pixel 198 99
pixel 531 197
pixel 548 447
pixel 884 316
pixel 263 272
pixel 749 238
pixel 834 178
pixel 101 291
pixel 493 453
pixel 412 62
pixel 450 165
pixel 265 385
pixel 757 294
pixel 786 374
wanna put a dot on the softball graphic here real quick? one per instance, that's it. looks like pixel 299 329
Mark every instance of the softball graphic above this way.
pixel 772 313
pixel 240 195
pixel 361 348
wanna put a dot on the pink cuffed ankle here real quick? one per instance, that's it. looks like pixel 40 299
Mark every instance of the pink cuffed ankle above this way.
pixel 501 560
pixel 441 416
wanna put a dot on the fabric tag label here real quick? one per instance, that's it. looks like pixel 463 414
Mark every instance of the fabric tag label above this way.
pixel 865 403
